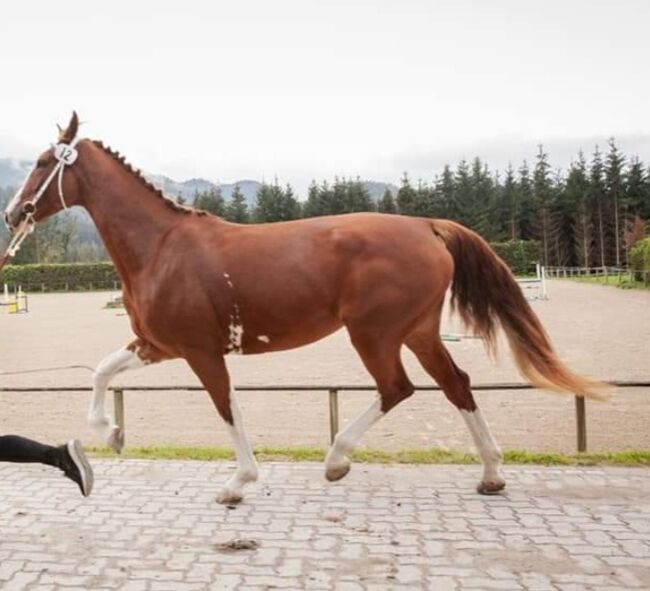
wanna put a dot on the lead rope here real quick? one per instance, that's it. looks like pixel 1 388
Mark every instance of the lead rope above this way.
pixel 46 369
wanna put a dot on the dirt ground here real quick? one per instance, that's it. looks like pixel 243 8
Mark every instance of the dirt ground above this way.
pixel 601 331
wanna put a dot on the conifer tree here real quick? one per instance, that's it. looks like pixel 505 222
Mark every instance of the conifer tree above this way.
pixel 445 190
pixel 211 201
pixel 543 196
pixel 313 206
pixel 526 204
pixel 237 208
pixel 614 194
pixel 464 195
pixel 597 199
pixel 423 205
pixel 577 195
pixel 563 223
pixel 637 190
pixel 406 197
pixel 387 203
pixel 358 198
pixel 510 201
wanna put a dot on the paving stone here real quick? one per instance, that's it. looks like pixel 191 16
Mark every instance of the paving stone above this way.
pixel 155 526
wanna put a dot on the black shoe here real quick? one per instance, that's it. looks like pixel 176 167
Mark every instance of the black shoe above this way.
pixel 76 467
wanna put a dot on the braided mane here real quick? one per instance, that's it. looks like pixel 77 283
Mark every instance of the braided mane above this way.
pixel 148 184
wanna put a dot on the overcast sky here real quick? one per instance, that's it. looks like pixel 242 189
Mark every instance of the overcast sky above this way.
pixel 309 89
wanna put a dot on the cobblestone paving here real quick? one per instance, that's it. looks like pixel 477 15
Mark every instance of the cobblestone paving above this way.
pixel 154 525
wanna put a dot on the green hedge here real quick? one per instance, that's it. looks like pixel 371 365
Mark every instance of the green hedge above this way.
pixel 520 255
pixel 61 277
pixel 640 259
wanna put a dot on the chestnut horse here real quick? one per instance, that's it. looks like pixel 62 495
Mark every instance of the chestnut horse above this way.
pixel 199 288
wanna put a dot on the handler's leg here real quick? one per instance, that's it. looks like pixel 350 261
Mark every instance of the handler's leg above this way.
pixel 69 458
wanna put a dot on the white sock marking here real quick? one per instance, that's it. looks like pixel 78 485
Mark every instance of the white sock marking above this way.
pixel 349 438
pixel 112 364
pixel 486 445
pixel 247 468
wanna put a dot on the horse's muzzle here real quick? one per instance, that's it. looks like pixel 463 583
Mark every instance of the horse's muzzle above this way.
pixel 17 215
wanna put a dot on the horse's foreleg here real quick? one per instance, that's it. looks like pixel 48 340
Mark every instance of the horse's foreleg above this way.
pixel 211 370
pixel 121 360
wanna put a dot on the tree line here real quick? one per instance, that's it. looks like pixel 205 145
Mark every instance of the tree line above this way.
pixel 587 215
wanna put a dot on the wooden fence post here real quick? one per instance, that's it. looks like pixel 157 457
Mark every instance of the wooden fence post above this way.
pixel 581 423
pixel 334 413
pixel 118 407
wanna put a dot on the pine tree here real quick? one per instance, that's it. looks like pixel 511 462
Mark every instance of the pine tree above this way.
pixel 406 197
pixel 237 208
pixel 313 206
pixel 327 203
pixel 211 201
pixel 510 201
pixel 292 208
pixel 387 203
pixel 423 205
pixel 267 208
pixel 597 199
pixel 526 204
pixel 563 223
pixel 614 194
pixel 464 195
pixel 484 208
pixel 339 198
pixel 577 195
pixel 445 190
pixel 543 197
pixel 637 190
pixel 358 198
pixel 274 204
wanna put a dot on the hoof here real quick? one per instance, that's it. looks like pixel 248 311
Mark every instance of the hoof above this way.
pixel 335 473
pixel 229 497
pixel 116 439
pixel 490 487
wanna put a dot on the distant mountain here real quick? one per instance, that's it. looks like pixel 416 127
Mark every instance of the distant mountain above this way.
pixel 376 189
pixel 188 188
pixel 13 172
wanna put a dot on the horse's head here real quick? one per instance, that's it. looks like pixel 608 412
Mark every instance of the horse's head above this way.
pixel 46 190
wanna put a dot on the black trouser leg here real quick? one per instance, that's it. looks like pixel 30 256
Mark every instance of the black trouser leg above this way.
pixel 14 448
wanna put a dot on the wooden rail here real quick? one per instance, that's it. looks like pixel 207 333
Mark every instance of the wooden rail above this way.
pixel 333 397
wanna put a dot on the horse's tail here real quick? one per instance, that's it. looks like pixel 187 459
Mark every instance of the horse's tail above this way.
pixel 485 292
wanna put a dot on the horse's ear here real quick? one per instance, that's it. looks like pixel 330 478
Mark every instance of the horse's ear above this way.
pixel 67 135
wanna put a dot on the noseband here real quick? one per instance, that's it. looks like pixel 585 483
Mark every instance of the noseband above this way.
pixel 66 155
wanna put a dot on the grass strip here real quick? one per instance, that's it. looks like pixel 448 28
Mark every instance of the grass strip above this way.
pixel 624 283
pixel 373 456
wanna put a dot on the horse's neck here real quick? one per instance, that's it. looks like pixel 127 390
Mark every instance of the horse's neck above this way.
pixel 130 218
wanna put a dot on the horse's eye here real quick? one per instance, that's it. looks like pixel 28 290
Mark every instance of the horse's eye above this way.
pixel 41 162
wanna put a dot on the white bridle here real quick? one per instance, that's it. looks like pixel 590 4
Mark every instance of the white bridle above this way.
pixel 66 155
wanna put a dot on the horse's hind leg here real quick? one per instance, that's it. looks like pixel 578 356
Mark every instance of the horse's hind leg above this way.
pixel 135 355
pixel 382 360
pixel 437 362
